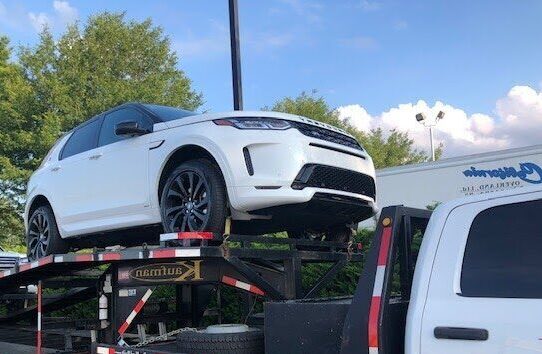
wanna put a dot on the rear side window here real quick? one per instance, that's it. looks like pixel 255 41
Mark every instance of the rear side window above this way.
pixel 503 255
pixel 82 139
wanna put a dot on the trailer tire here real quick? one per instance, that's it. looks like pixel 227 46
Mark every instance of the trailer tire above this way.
pixel 250 342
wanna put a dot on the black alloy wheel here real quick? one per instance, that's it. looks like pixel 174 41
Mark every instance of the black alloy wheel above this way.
pixel 39 233
pixel 42 237
pixel 187 202
pixel 194 198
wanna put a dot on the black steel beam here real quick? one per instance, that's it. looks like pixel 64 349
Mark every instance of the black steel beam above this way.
pixel 69 298
pixel 255 278
pixel 326 279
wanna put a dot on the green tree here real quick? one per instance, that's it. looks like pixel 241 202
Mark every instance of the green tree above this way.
pixel 59 83
pixel 310 106
pixel 392 150
pixel 17 144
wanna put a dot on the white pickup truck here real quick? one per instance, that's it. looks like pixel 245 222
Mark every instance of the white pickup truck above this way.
pixel 474 285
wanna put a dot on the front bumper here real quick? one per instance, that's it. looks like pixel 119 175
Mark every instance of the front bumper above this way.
pixel 264 165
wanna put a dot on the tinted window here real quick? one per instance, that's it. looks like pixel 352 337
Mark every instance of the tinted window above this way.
pixel 82 139
pixel 503 256
pixel 107 134
pixel 166 113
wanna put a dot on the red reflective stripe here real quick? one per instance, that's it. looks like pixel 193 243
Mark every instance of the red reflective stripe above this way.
pixel 229 280
pixel 163 253
pixel 111 256
pixel 24 267
pixel 256 290
pixel 38 332
pixel 139 306
pixel 84 258
pixel 45 260
pixel 242 285
pixel 374 312
pixel 202 235
pixel 384 246
pixel 123 328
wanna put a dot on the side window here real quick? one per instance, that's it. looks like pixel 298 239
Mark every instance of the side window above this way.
pixel 82 139
pixel 503 252
pixel 107 133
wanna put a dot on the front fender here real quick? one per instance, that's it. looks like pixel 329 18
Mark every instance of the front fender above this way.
pixel 172 146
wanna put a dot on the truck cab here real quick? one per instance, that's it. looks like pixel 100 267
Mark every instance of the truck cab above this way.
pixel 477 284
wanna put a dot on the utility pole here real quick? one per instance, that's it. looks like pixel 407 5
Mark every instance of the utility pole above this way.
pixel 235 57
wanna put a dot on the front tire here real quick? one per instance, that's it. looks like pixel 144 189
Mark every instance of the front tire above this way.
pixel 194 198
pixel 42 237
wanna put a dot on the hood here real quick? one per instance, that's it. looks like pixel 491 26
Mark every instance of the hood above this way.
pixel 237 114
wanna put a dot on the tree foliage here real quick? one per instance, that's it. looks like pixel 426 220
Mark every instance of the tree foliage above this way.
pixel 58 83
pixel 387 149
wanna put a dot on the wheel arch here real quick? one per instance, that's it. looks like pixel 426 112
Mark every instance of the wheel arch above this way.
pixel 182 154
pixel 38 201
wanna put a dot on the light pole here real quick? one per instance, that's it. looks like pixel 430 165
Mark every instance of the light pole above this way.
pixel 235 56
pixel 420 117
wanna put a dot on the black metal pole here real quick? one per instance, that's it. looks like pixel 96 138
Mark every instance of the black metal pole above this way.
pixel 235 57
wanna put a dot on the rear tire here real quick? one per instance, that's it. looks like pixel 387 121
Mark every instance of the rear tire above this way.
pixel 42 237
pixel 194 198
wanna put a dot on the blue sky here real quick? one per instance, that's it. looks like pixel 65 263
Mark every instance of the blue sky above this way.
pixel 375 54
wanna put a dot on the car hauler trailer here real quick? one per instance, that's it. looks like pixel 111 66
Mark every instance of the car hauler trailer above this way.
pixel 122 281
pixel 462 279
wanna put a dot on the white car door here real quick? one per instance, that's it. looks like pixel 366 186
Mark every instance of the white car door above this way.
pixel 71 181
pixel 120 172
pixel 485 292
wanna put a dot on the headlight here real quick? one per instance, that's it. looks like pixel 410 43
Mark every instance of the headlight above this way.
pixel 254 123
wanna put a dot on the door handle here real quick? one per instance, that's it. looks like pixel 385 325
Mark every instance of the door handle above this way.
pixel 95 157
pixel 461 333
pixel 55 168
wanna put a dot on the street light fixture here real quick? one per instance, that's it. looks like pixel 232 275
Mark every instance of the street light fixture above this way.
pixel 420 117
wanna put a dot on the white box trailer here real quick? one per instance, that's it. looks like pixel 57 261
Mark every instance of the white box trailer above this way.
pixel 424 184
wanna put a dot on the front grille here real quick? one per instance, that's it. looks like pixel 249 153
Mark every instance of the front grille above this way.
pixel 7 262
pixel 321 176
pixel 327 135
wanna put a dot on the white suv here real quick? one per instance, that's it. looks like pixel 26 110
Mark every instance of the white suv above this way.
pixel 155 167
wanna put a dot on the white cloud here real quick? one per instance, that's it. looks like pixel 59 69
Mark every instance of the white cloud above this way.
pixel 359 42
pixel 65 12
pixel 215 43
pixel 517 123
pixel 260 41
pixel 39 20
pixel 400 25
pixel 367 5
pixel 309 10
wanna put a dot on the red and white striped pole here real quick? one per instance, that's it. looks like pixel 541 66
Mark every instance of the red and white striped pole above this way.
pixel 38 339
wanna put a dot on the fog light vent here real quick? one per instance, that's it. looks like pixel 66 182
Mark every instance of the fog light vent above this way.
pixel 248 161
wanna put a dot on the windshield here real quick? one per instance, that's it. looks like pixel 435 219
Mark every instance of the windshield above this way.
pixel 166 113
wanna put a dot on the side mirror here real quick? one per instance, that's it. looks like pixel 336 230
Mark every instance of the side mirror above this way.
pixel 129 128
